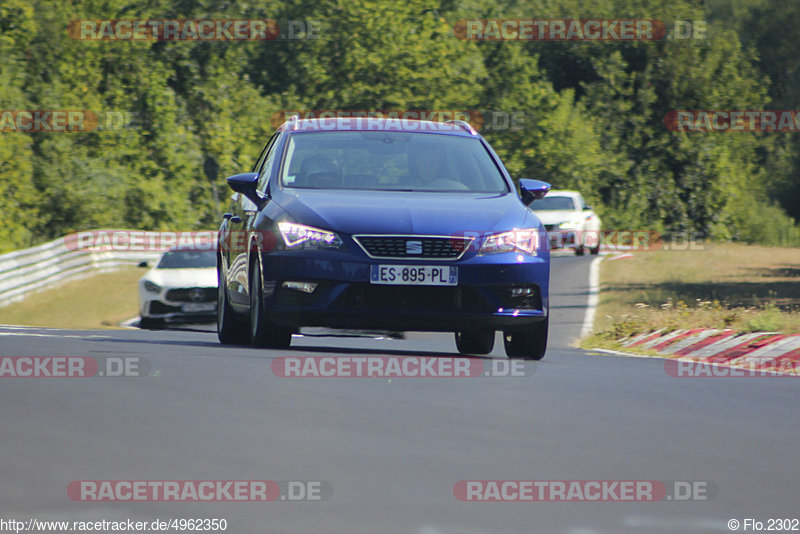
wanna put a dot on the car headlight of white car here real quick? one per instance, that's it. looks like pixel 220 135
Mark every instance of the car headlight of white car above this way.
pixel 151 287
pixel 570 224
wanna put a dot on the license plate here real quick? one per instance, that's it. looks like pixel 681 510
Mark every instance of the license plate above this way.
pixel 199 307
pixel 414 275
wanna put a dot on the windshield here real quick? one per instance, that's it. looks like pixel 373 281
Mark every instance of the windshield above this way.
pixel 188 259
pixel 393 161
pixel 553 203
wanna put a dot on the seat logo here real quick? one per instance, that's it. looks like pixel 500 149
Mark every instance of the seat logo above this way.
pixel 413 247
pixel 196 295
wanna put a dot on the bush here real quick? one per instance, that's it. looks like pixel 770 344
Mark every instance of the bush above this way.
pixel 766 224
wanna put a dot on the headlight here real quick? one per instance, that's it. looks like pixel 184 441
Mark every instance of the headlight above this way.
pixel 525 240
pixel 151 287
pixel 300 236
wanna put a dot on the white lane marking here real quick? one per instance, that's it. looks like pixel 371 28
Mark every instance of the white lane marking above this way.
pixel 21 327
pixel 594 296
pixel 32 334
pixel 626 354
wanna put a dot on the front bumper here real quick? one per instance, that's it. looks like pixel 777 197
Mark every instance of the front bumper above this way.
pixel 502 291
pixel 175 304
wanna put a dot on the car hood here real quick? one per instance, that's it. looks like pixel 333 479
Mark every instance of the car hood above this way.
pixel 205 277
pixel 392 212
pixel 556 216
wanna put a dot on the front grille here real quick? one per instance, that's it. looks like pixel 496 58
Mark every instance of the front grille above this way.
pixel 159 308
pixel 411 246
pixel 412 298
pixel 192 294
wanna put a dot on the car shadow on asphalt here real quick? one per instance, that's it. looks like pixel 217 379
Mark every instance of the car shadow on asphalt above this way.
pixel 384 352
pixel 293 349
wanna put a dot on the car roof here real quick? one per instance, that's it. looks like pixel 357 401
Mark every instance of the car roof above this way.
pixel 361 124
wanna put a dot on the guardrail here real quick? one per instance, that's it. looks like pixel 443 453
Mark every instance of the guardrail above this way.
pixel 36 268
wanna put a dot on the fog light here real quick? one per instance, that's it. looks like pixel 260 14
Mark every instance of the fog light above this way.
pixel 522 291
pixel 304 287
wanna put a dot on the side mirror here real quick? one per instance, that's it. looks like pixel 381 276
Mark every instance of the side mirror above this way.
pixel 142 264
pixel 531 190
pixel 246 184
pixel 587 207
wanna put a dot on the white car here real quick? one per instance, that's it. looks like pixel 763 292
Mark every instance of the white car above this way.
pixel 182 287
pixel 569 221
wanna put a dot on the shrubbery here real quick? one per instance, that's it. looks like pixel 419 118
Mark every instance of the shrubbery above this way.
pixel 593 111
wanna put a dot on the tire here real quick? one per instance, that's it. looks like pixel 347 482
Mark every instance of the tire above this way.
pixel 528 344
pixel 147 323
pixel 587 243
pixel 231 328
pixel 262 332
pixel 580 251
pixel 479 341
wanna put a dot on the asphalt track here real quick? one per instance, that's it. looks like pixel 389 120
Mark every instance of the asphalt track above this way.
pixel 393 450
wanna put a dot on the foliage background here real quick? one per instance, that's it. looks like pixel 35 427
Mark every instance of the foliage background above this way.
pixel 593 110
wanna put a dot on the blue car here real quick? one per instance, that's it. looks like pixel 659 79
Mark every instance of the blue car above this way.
pixel 389 224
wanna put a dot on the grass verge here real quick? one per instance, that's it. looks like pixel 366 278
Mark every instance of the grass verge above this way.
pixel 98 301
pixel 742 287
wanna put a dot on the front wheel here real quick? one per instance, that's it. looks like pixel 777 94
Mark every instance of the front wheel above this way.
pixel 527 344
pixel 263 333
pixel 479 341
pixel 231 329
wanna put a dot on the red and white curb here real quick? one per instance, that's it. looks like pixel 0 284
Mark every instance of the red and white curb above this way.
pixel 757 351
